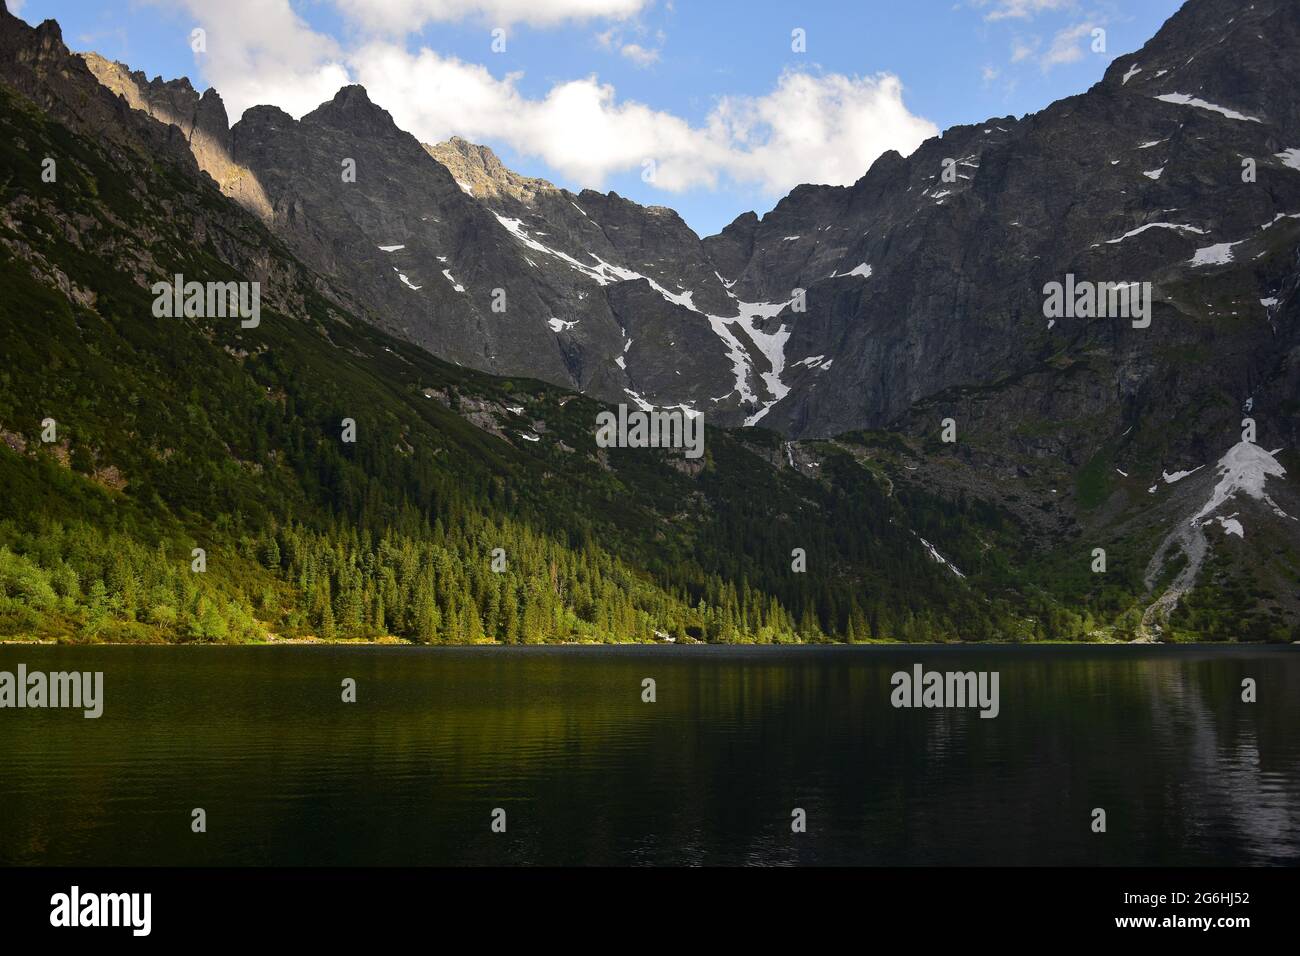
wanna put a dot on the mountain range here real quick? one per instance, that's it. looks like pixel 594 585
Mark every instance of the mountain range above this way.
pixel 881 351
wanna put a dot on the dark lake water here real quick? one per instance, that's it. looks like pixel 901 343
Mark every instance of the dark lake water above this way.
pixel 710 773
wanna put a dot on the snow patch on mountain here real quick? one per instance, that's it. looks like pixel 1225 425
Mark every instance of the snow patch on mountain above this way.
pixel 1169 479
pixel 1231 525
pixel 863 270
pixel 608 273
pixel 604 273
pixel 516 228
pixel 747 322
pixel 1216 255
pixel 1155 225
pixel 408 282
pixel 1279 217
pixel 1183 99
pixel 1243 471
pixel 772 345
pixel 641 403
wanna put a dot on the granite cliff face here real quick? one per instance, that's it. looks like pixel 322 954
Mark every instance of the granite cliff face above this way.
pixel 1139 179
pixel 36 64
pixel 201 119
pixel 487 268
pixel 925 276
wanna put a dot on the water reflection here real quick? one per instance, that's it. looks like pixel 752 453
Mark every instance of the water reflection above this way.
pixel 710 773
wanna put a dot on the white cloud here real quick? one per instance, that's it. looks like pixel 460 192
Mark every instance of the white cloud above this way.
pixel 821 128
pixel 825 129
pixel 640 55
pixel 15 6
pixel 1065 47
pixel 1024 49
pixel 409 16
pixel 261 52
pixel 1021 9
pixel 1069 45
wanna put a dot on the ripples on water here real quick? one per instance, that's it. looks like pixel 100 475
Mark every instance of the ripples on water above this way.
pixel 588 774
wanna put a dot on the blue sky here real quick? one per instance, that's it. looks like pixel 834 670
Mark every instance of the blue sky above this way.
pixel 701 105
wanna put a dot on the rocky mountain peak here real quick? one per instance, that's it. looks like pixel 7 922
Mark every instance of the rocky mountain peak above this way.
pixel 170 101
pixel 481 173
pixel 30 46
pixel 1238 57
pixel 46 38
pixel 352 110
pixel 201 119
pixel 35 62
pixel 266 116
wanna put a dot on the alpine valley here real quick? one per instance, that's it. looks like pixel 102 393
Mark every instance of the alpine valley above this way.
pixel 185 479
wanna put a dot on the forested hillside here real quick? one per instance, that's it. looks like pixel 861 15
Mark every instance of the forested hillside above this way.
pixel 176 434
